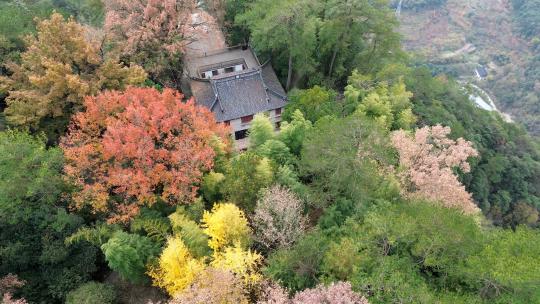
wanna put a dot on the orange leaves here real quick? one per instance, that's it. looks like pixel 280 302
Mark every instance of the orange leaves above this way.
pixel 138 24
pixel 60 66
pixel 128 149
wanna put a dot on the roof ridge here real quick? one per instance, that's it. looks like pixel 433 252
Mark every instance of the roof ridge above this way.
pixel 277 94
pixel 245 74
pixel 216 97
pixel 265 87
pixel 248 73
pixel 199 79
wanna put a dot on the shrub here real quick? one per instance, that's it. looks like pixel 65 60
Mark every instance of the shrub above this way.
pixel 92 293
pixel 128 254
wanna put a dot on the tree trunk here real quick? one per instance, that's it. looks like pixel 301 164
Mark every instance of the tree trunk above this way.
pixel 289 74
pixel 334 55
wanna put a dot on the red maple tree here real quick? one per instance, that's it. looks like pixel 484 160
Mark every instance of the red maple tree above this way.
pixel 130 149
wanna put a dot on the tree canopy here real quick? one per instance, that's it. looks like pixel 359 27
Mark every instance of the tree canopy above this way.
pixel 130 149
pixel 60 66
pixel 380 183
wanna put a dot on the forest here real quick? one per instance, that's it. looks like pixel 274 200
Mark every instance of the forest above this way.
pixel 383 184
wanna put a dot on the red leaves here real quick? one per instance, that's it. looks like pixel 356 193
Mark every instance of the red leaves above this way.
pixel 139 24
pixel 128 149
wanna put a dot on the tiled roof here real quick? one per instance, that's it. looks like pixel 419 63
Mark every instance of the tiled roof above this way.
pixel 240 94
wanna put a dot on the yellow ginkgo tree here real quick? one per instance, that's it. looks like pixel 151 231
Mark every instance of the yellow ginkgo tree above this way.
pixel 226 225
pixel 176 268
pixel 228 237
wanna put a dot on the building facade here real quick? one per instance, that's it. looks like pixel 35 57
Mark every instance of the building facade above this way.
pixel 235 86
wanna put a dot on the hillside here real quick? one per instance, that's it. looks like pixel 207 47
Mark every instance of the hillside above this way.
pixel 143 161
pixel 458 36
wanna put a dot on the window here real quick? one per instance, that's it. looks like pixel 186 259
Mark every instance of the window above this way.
pixel 247 119
pixel 239 67
pixel 229 70
pixel 278 125
pixel 240 134
pixel 278 111
pixel 215 73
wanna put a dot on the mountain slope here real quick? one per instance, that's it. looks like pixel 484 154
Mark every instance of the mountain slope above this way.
pixel 458 36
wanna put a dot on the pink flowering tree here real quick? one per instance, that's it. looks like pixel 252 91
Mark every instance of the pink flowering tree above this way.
pixel 335 293
pixel 8 284
pixel 213 286
pixel 278 220
pixel 427 161
pixel 152 33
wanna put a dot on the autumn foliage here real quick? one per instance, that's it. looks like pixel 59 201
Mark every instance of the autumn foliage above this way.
pixel 335 293
pixel 428 159
pixel 278 220
pixel 176 268
pixel 129 149
pixel 226 225
pixel 151 33
pixel 8 284
pixel 213 286
pixel 61 65
pixel 183 275
pixel 140 23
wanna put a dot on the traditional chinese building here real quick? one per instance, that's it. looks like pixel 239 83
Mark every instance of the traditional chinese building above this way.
pixel 235 86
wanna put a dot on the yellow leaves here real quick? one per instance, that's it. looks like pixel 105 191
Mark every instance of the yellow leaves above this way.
pixel 243 263
pixel 228 229
pixel 60 66
pixel 65 40
pixel 226 225
pixel 176 268
pixel 113 75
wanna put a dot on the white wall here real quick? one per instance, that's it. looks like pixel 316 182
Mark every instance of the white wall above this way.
pixel 237 125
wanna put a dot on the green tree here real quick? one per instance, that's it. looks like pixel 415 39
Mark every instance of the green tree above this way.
pixel 34 221
pixel 507 266
pixel 389 106
pixel 237 33
pixel 260 131
pixel 211 186
pixel 190 233
pixel 294 132
pixel 288 177
pixel 16 18
pixel 357 34
pixel 298 268
pixel 92 293
pixel 284 27
pixel 128 254
pixel 248 173
pixel 346 158
pixel 313 103
pixel 277 152
pixel 151 223
pixel 522 214
pixel 86 11
pixel 414 252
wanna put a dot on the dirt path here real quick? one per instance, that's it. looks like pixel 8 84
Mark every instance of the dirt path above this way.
pixel 206 33
pixel 467 48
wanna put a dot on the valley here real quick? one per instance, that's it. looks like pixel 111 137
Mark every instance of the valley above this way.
pixel 459 36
